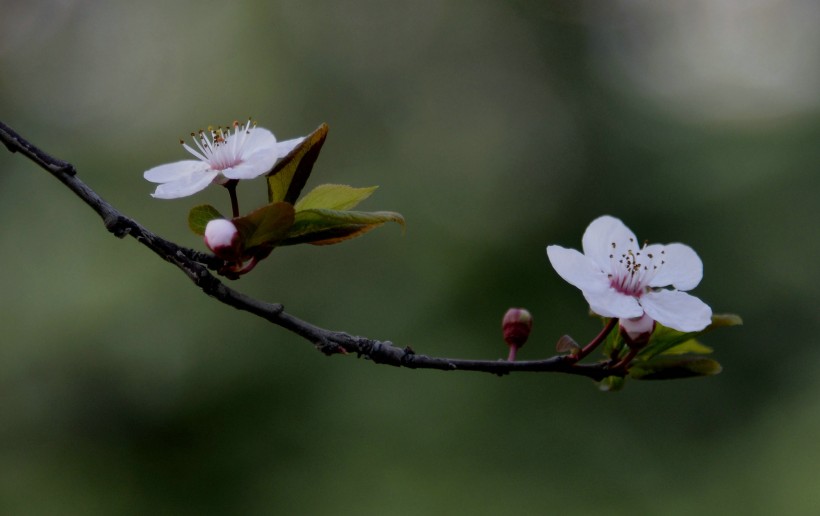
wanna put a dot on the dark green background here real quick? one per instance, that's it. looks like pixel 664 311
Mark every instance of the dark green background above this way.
pixel 496 128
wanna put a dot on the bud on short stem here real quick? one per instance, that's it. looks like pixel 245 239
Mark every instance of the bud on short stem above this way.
pixel 516 325
pixel 223 239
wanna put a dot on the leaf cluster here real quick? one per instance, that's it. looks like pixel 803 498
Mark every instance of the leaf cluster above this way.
pixel 323 216
pixel 669 354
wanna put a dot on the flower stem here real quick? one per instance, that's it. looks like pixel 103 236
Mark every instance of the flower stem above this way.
pixel 597 340
pixel 249 267
pixel 511 356
pixel 627 359
pixel 231 186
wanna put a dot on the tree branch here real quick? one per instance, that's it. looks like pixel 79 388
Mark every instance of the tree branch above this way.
pixel 196 265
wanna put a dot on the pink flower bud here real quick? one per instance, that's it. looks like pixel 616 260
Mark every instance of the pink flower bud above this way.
pixel 517 324
pixel 222 237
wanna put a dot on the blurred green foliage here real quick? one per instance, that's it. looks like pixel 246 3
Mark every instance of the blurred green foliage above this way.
pixel 495 129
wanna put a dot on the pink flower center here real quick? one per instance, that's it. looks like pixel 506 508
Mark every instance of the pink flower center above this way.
pixel 631 270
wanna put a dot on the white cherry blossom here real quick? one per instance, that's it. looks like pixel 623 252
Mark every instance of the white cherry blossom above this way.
pixel 637 284
pixel 245 153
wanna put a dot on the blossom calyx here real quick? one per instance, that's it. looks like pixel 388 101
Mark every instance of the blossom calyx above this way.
pixel 638 330
pixel 516 325
pixel 223 239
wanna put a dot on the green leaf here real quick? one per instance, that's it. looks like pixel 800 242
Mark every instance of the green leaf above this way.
pixel 199 216
pixel 334 197
pixel 289 175
pixel 689 346
pixel 724 320
pixel 668 367
pixel 664 338
pixel 614 342
pixel 325 227
pixel 265 226
pixel 612 383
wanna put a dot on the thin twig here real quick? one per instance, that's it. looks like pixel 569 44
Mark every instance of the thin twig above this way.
pixel 196 265
pixel 594 343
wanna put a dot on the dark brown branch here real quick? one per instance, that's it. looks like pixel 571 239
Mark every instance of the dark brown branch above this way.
pixel 15 143
pixel 196 266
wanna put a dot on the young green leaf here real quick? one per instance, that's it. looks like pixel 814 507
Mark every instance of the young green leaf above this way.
pixel 614 342
pixel 289 175
pixel 199 216
pixel 324 227
pixel 664 338
pixel 334 197
pixel 668 367
pixel 689 346
pixel 612 384
pixel 265 226
pixel 724 320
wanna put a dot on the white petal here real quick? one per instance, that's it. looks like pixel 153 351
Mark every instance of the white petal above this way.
pixel 611 303
pixel 185 186
pixel 677 310
pixel 258 155
pixel 651 260
pixel 288 145
pixel 682 268
pixel 254 165
pixel 259 139
pixel 600 236
pixel 175 171
pixel 577 269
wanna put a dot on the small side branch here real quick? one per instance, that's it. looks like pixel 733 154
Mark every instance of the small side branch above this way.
pixel 197 267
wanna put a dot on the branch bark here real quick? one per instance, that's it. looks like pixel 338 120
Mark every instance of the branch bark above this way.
pixel 197 267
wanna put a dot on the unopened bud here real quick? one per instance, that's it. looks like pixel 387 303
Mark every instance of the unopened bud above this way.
pixel 222 237
pixel 517 324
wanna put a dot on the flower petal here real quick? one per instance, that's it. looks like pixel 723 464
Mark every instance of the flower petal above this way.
pixel 258 139
pixel 288 145
pixel 185 186
pixel 605 236
pixel 253 166
pixel 611 303
pixel 175 171
pixel 577 269
pixel 677 310
pixel 682 268
pixel 259 154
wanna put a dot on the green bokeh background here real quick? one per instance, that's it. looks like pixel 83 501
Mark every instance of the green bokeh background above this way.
pixel 496 128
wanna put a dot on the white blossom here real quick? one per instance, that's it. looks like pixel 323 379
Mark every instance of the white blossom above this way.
pixel 245 153
pixel 637 284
